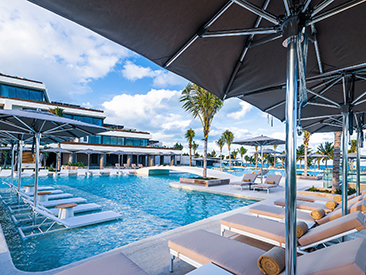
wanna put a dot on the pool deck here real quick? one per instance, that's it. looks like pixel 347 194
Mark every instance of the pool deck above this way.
pixel 152 254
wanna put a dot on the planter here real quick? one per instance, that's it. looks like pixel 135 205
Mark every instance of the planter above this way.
pixel 206 183
pixel 319 177
pixel 69 167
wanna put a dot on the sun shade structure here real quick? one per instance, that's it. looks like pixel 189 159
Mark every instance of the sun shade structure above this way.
pixel 35 124
pixel 261 141
pixel 89 152
pixel 57 151
pixel 260 51
pixel 119 153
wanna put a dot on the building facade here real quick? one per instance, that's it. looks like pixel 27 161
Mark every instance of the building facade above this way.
pixel 24 94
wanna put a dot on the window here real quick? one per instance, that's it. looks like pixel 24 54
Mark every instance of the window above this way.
pixel 95 139
pixel 17 92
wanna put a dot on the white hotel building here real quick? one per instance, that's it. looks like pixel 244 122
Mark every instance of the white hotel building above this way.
pixel 22 94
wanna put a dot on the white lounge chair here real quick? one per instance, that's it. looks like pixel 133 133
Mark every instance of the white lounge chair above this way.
pixel 5 173
pixel 272 181
pixel 53 203
pixel 247 180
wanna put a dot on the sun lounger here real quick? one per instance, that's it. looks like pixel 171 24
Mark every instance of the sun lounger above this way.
pixel 274 232
pixel 81 172
pixel 277 213
pixel 337 213
pixel 125 166
pixel 43 173
pixel 68 223
pixel 63 173
pixel 271 181
pixel 56 196
pixel 5 173
pixel 27 173
pixel 53 192
pixel 73 173
pixel 94 172
pixel 80 208
pixel 247 180
pixel 304 205
pixel 133 166
pixel 140 165
pixel 201 247
pixel 53 203
pixel 105 173
pixel 116 263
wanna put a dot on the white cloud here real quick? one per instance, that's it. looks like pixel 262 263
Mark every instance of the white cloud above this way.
pixel 245 108
pixel 160 78
pixel 40 45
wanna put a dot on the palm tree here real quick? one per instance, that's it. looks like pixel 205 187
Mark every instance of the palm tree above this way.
pixel 190 134
pixel 274 161
pixel 229 137
pixel 353 149
pixel 306 144
pixel 220 142
pixel 256 157
pixel 57 111
pixel 327 150
pixel 204 105
pixel 242 152
pixel 336 160
pixel 195 147
pixel 300 151
pixel 213 153
pixel 235 154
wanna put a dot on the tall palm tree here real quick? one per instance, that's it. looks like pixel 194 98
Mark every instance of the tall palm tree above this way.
pixel 190 134
pixel 242 152
pixel 336 160
pixel 353 149
pixel 220 142
pixel 204 105
pixel 300 151
pixel 234 154
pixel 274 161
pixel 229 137
pixel 306 144
pixel 327 150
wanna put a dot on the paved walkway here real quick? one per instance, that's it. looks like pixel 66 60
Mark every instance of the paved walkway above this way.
pixel 152 254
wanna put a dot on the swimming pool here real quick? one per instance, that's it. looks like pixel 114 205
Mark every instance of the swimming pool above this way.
pixel 148 206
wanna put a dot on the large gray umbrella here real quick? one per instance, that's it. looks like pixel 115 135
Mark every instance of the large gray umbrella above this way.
pixel 38 124
pixel 268 151
pixel 260 141
pixel 57 151
pixel 119 153
pixel 89 152
pixel 234 49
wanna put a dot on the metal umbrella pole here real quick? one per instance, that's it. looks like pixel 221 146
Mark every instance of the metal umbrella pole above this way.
pixel 261 164
pixel 35 197
pixel 20 159
pixel 88 162
pixel 291 115
pixel 12 163
pixel 345 114
pixel 358 171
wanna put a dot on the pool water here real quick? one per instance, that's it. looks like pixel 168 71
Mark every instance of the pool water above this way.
pixel 147 204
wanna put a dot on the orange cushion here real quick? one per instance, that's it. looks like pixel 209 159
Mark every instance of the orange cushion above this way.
pixel 270 182
pixel 246 180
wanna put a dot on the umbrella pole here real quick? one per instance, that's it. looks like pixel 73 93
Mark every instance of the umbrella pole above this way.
pixel 88 162
pixel 35 197
pixel 344 162
pixel 12 164
pixel 358 171
pixel 20 159
pixel 261 164
pixel 291 118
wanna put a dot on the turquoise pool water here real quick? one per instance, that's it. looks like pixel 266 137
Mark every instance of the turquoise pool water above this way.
pixel 148 206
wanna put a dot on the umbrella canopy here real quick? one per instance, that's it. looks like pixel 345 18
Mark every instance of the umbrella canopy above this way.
pixel 316 156
pixel 354 155
pixel 267 151
pixel 56 150
pixel 260 141
pixel 118 152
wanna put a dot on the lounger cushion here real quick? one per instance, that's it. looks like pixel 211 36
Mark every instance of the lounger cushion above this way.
pixel 358 206
pixel 301 228
pixel 262 227
pixel 317 213
pixel 277 212
pixel 304 205
pixel 205 247
pixel 270 182
pixel 240 183
pixel 265 186
pixel 339 259
pixel 352 221
pixel 331 204
pixel 337 198
pixel 112 264
pixel 246 180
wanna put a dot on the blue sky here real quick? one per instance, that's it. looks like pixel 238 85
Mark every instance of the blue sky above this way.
pixel 81 67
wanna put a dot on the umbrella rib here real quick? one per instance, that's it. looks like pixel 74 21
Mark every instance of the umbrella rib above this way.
pixel 15 126
pixel 316 46
pixel 331 84
pixel 306 5
pixel 336 10
pixel 321 105
pixel 253 31
pixel 247 46
pixel 258 11
pixel 196 36
pixel 22 122
pixel 53 129
pixel 358 98
pixel 287 7
pixel 323 97
pixel 318 8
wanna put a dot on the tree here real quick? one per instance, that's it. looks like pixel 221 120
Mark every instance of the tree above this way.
pixel 190 134
pixel 275 148
pixel 242 152
pixel 195 147
pixel 327 150
pixel 178 146
pixel 213 153
pixel 203 105
pixel 229 137
pixel 353 149
pixel 220 142
pixel 306 144
pixel 300 151
pixel 234 154
pixel 336 160
pixel 57 111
